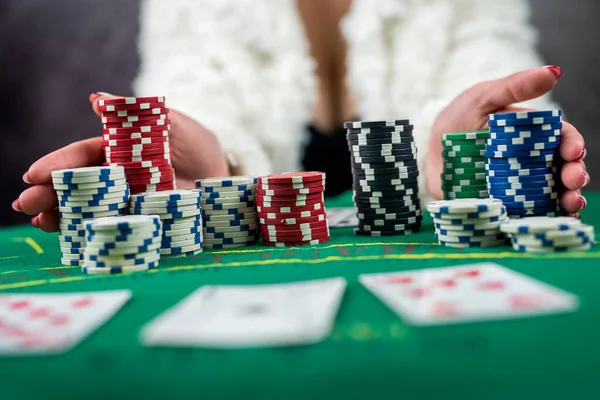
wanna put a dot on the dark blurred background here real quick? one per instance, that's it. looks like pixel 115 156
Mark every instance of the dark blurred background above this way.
pixel 54 53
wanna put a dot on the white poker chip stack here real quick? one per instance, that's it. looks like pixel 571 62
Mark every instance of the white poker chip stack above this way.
pixel 464 223
pixel 230 215
pixel 122 244
pixel 181 216
pixel 549 234
pixel 84 194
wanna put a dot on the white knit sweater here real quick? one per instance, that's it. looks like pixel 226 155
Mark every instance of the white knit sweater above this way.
pixel 242 68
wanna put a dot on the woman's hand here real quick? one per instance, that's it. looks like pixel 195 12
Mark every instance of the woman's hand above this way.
pixel 469 112
pixel 195 154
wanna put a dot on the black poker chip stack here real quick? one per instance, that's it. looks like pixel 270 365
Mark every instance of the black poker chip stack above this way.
pixel 385 177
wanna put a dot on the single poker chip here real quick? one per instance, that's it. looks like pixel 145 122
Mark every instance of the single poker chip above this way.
pixel 520 154
pixel 143 208
pixel 517 186
pixel 166 203
pixel 469 221
pixel 289 192
pixel 182 232
pixel 373 218
pixel 121 251
pixel 293 221
pixel 534 225
pixel 527 130
pixel 386 171
pixel 448 164
pixel 374 140
pixel 229 200
pixel 232 229
pixel 470 215
pixel 384 153
pixel 179 225
pixel 233 240
pixel 382 182
pixel 375 124
pixel 156 134
pixel 464 153
pixel 558 242
pixel 469 239
pixel 99 261
pixel 226 235
pixel 520 141
pixel 296 238
pixel 501 148
pixel 535 249
pixel 464 150
pixel 391 174
pixel 130 100
pixel 300 229
pixel 518 166
pixel 71 263
pixel 299 214
pixel 383 159
pixel 156 110
pixel 291 198
pixel 318 185
pixel 232 211
pixel 229 194
pixel 119 270
pixel 226 189
pixel 169 195
pixel 468 227
pixel 398 130
pixel 466 195
pixel 385 200
pixel 101 208
pixel 212 209
pixel 389 224
pixel 145 164
pixel 480 176
pixel 137 149
pixel 527 135
pixel 167 173
pixel 526 115
pixel 152 181
pixel 466 135
pixel 157 188
pixel 387 145
pixel 394 210
pixel 88 179
pixel 466 161
pixel 493 181
pixel 182 250
pixel 94 203
pixel 279 204
pixel 92 214
pixel 226 182
pixel 131 107
pixel 191 241
pixel 75 196
pixel 377 165
pixel 288 209
pixel 226 246
pixel 470 234
pixel 89 185
pixel 463 206
pixel 228 217
pixel 137 142
pixel 366 187
pixel 386 193
pixel 139 124
pixel 462 142
pixel 120 223
pixel 183 255
pixel 532 204
pixel 296 243
pixel 171 215
pixel 292 177
pixel 580 231
pixel 378 233
pixel 87 172
pixel 520 172
pixel 132 118
pixel 128 159
pixel 523 121
pixel 523 192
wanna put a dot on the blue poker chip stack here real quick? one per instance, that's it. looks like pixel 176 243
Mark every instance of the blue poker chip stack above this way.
pixel 84 194
pixel 181 216
pixel 385 177
pixel 522 152
pixel 116 245
pixel 468 222
pixel 549 234
pixel 230 213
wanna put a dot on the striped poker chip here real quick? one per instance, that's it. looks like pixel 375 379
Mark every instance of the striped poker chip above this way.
pixel 375 124
pixel 523 121
pixel 158 110
pixel 131 107
pixel 130 100
pixel 293 177
pixel 525 115
pixel 281 243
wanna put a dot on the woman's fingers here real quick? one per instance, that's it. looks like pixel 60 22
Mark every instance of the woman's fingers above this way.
pixel 572 201
pixel 574 176
pixel 572 145
pixel 79 154
pixel 94 97
pixel 37 199
pixel 47 221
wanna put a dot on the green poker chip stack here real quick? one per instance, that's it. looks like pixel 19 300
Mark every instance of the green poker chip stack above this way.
pixel 463 173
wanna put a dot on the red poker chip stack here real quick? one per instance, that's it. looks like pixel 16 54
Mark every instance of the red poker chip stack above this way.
pixel 291 209
pixel 135 135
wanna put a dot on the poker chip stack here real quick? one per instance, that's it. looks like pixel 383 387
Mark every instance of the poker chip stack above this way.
pixel 291 209
pixel 229 206
pixel 521 165
pixel 122 244
pixel 468 222
pixel 463 175
pixel 549 234
pixel 84 194
pixel 181 218
pixel 385 177
pixel 136 136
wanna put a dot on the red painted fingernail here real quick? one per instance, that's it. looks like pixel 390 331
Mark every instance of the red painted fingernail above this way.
pixel 16 206
pixel 26 178
pixel 583 202
pixel 586 179
pixel 582 154
pixel 555 69
pixel 35 222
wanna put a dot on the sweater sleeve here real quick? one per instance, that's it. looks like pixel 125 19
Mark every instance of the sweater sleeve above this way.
pixel 489 40
pixel 174 38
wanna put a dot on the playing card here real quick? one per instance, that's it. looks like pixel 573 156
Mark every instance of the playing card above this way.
pixel 250 316
pixel 466 293
pixel 53 323
pixel 341 217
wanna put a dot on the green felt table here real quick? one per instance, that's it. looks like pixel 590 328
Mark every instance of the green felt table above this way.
pixel 371 353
